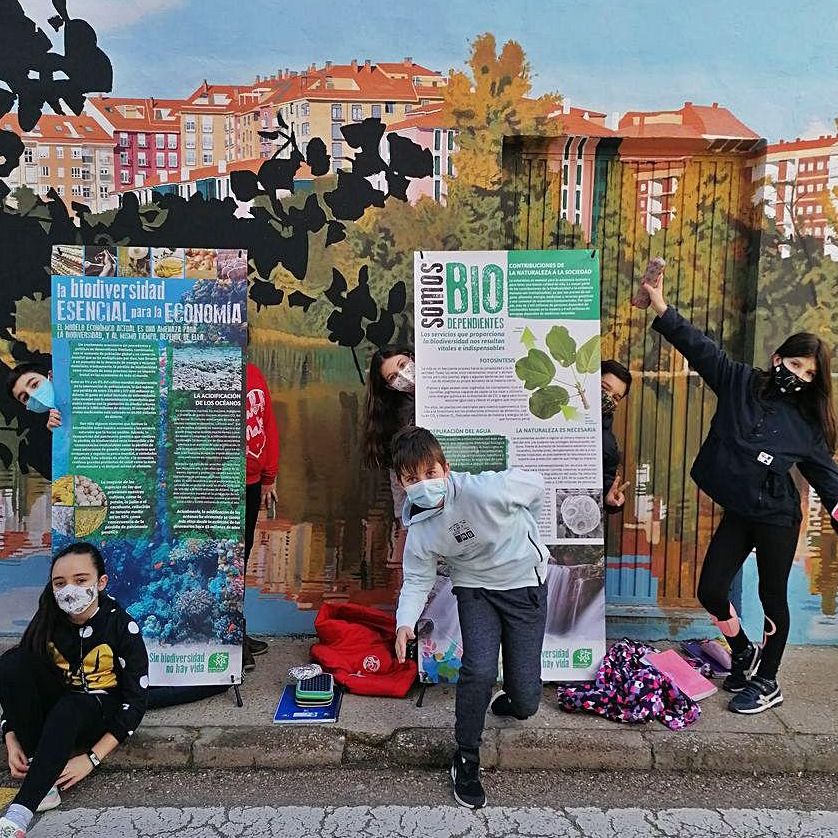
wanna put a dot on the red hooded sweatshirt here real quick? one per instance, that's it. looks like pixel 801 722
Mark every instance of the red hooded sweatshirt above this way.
pixel 261 431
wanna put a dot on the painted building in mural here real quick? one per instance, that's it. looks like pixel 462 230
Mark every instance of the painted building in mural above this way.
pixel 673 131
pixel 72 155
pixel 209 181
pixel 692 183
pixel 424 125
pixel 798 184
pixel 146 136
pixel 320 101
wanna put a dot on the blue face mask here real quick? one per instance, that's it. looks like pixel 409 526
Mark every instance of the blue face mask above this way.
pixel 427 493
pixel 42 398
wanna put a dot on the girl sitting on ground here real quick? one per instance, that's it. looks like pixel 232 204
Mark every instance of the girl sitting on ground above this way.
pixel 73 690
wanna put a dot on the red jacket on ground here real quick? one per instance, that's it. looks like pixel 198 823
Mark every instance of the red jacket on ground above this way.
pixel 262 435
pixel 357 647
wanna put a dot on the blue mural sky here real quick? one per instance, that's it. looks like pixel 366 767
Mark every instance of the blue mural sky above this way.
pixel 774 64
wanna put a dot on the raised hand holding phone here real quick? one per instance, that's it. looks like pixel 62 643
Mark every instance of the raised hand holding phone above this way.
pixel 651 278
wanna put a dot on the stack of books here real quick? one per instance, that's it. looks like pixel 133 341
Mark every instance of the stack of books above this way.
pixel 312 701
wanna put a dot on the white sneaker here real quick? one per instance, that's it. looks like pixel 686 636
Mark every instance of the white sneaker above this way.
pixel 9 829
pixel 51 801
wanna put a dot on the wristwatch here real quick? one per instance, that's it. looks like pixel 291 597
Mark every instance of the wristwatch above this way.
pixel 94 760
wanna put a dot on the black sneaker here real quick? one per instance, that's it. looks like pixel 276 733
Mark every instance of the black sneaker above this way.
pixel 257 647
pixel 501 705
pixel 743 667
pixel 761 694
pixel 465 775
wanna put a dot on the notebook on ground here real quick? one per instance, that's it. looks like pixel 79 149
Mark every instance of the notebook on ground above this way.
pixel 288 712
pixel 690 682
pixel 708 652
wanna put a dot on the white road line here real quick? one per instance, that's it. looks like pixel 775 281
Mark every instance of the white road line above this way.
pixel 432 822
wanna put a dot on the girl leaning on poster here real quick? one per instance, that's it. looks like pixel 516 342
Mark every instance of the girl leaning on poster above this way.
pixel 765 423
pixel 389 407
pixel 76 684
pixel 262 467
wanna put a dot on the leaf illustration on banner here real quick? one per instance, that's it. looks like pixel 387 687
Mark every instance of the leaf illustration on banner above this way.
pixel 528 338
pixel 536 370
pixel 561 345
pixel 588 355
pixel 546 402
pixel 570 412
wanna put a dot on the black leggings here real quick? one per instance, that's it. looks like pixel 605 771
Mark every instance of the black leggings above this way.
pixel 730 546
pixel 252 503
pixel 50 722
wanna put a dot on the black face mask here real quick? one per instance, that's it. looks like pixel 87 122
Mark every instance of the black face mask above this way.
pixel 608 403
pixel 787 382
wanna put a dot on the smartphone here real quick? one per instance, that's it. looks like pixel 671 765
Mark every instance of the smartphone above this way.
pixel 653 271
pixel 651 276
pixel 271 509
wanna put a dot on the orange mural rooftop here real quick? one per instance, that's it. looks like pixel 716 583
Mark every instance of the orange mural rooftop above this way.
pixel 64 129
pixel 139 114
pixel 694 121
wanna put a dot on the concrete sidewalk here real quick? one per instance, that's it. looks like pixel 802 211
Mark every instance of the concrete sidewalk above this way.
pixel 800 735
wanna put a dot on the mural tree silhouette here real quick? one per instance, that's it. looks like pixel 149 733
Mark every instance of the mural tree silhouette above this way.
pixel 276 232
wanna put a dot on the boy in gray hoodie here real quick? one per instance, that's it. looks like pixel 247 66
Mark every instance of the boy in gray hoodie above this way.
pixel 484 527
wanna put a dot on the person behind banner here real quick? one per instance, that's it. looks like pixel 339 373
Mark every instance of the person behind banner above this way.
pixel 262 468
pixel 76 684
pixel 484 527
pixel 765 423
pixel 616 384
pixel 31 385
pixel 389 407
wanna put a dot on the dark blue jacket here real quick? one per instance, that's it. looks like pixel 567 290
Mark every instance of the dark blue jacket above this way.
pixel 754 440
pixel 610 460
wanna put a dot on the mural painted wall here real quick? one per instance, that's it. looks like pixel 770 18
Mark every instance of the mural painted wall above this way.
pixel 332 174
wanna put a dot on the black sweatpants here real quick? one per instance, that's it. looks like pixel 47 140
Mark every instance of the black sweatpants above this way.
pixel 730 546
pixel 252 502
pixel 490 620
pixel 50 722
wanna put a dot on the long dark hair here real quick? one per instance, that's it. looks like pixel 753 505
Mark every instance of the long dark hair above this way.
pixel 41 628
pixel 816 399
pixel 381 414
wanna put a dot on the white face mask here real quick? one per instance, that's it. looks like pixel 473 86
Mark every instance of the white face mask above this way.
pixel 405 380
pixel 74 599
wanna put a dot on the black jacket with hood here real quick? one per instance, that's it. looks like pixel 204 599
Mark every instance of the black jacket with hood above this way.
pixel 106 656
pixel 754 440
pixel 610 460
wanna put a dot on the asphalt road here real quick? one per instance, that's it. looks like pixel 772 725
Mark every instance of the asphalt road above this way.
pixel 395 803
pixel 366 787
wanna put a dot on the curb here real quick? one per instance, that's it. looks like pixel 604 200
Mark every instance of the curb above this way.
pixel 522 749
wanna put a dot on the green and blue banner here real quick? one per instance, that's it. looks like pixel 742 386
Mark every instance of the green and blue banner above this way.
pixel 148 462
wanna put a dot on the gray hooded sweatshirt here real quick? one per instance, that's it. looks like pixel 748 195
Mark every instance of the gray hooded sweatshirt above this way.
pixel 485 531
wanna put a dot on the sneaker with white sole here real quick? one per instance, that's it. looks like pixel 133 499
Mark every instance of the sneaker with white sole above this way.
pixel 465 776
pixel 743 667
pixel 9 829
pixel 760 695
pixel 51 801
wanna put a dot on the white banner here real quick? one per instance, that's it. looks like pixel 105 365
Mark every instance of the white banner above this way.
pixel 508 374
